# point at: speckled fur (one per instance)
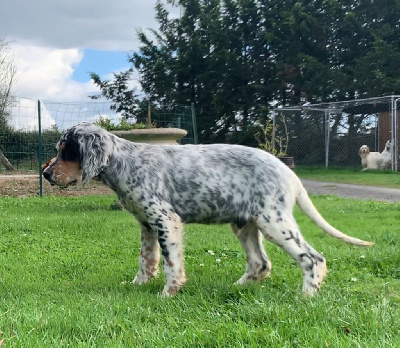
(167, 186)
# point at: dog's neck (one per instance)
(111, 176)
(110, 180)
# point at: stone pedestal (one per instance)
(160, 136)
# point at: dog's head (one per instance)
(82, 154)
(364, 150)
(388, 146)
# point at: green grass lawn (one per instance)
(351, 176)
(66, 266)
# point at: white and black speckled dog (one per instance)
(167, 186)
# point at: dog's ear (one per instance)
(94, 153)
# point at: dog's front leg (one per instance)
(149, 255)
(169, 228)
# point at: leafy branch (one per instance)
(271, 140)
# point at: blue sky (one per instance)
(99, 62)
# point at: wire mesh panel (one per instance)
(57, 117)
(331, 134)
(175, 116)
(348, 132)
(19, 136)
(306, 135)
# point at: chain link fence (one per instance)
(331, 134)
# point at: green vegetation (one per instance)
(351, 176)
(123, 124)
(67, 263)
(234, 59)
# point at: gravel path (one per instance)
(352, 191)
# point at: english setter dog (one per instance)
(166, 186)
(376, 160)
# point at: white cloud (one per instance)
(49, 71)
(24, 115)
(45, 74)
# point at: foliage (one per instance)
(235, 60)
(67, 264)
(7, 80)
(22, 146)
(124, 98)
(123, 124)
(271, 139)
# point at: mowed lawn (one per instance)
(379, 178)
(66, 266)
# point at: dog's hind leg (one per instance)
(257, 264)
(282, 230)
(149, 255)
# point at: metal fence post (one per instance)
(395, 141)
(40, 150)
(327, 135)
(273, 130)
(194, 125)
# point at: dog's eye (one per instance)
(64, 155)
(67, 155)
(69, 152)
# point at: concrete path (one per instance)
(19, 176)
(352, 191)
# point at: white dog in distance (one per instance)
(376, 160)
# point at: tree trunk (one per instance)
(4, 161)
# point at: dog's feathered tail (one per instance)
(308, 208)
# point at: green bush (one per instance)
(123, 124)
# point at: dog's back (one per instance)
(215, 183)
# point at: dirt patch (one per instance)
(28, 186)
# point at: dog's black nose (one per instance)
(46, 175)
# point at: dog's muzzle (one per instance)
(48, 177)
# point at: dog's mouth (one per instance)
(63, 186)
(71, 183)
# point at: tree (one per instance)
(7, 77)
(7, 80)
(212, 56)
(124, 98)
(234, 59)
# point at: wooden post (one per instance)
(5, 162)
